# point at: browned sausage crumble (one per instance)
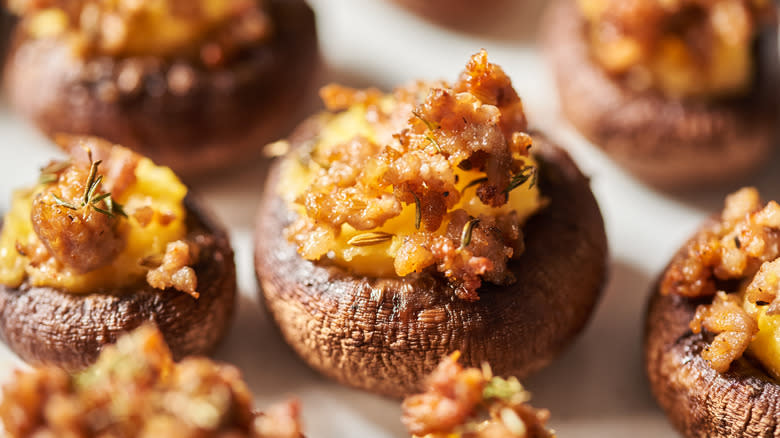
(136, 390)
(415, 143)
(175, 270)
(743, 246)
(71, 232)
(683, 47)
(472, 403)
(212, 31)
(78, 228)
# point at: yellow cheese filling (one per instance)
(378, 260)
(670, 64)
(150, 27)
(155, 187)
(766, 343)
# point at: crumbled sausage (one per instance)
(733, 326)
(135, 390)
(175, 271)
(763, 289)
(456, 402)
(734, 248)
(483, 258)
(432, 129)
(744, 246)
(282, 420)
(451, 397)
(74, 231)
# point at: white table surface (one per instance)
(597, 387)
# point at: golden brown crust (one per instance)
(47, 326)
(386, 334)
(700, 401)
(664, 142)
(175, 112)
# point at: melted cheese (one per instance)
(377, 260)
(150, 27)
(671, 66)
(156, 187)
(766, 344)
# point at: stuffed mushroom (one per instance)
(135, 390)
(105, 241)
(712, 331)
(680, 93)
(194, 85)
(401, 227)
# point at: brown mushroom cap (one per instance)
(667, 143)
(385, 334)
(457, 12)
(48, 326)
(700, 402)
(225, 117)
(7, 24)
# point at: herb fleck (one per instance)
(369, 239)
(431, 127)
(509, 390)
(50, 173)
(417, 212)
(526, 173)
(475, 182)
(465, 235)
(89, 198)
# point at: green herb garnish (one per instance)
(509, 390)
(50, 173)
(370, 238)
(89, 198)
(526, 173)
(465, 235)
(417, 211)
(431, 127)
(433, 142)
(475, 182)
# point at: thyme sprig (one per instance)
(465, 235)
(475, 182)
(89, 198)
(433, 142)
(371, 238)
(526, 173)
(51, 173)
(417, 211)
(431, 127)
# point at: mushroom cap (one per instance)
(44, 325)
(665, 142)
(7, 23)
(220, 120)
(699, 401)
(385, 334)
(458, 13)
